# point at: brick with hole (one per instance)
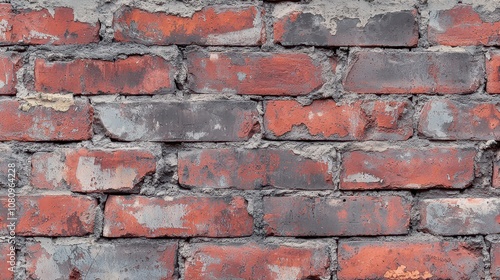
(34, 27)
(254, 73)
(495, 260)
(460, 216)
(493, 73)
(186, 121)
(392, 72)
(252, 170)
(453, 120)
(40, 123)
(9, 64)
(140, 216)
(210, 26)
(85, 170)
(77, 259)
(257, 261)
(345, 216)
(50, 215)
(408, 168)
(462, 25)
(328, 120)
(132, 75)
(410, 260)
(8, 259)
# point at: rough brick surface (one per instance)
(254, 73)
(409, 260)
(179, 121)
(213, 25)
(130, 260)
(496, 171)
(133, 75)
(460, 216)
(413, 72)
(128, 216)
(493, 73)
(257, 261)
(328, 120)
(252, 169)
(403, 169)
(347, 216)
(51, 215)
(495, 261)
(45, 124)
(9, 64)
(92, 170)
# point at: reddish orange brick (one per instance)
(408, 169)
(41, 27)
(346, 216)
(495, 261)
(133, 75)
(251, 169)
(328, 120)
(493, 73)
(215, 25)
(409, 260)
(51, 215)
(45, 124)
(92, 170)
(256, 73)
(8, 257)
(257, 261)
(496, 171)
(9, 64)
(127, 216)
(462, 26)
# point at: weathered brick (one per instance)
(346, 216)
(252, 169)
(179, 121)
(493, 73)
(58, 27)
(413, 72)
(452, 120)
(50, 215)
(132, 75)
(7, 260)
(408, 168)
(299, 27)
(462, 26)
(495, 261)
(140, 216)
(213, 25)
(45, 124)
(496, 171)
(92, 170)
(135, 259)
(257, 261)
(12, 173)
(9, 64)
(328, 120)
(409, 260)
(460, 216)
(252, 73)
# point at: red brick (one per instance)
(256, 73)
(92, 170)
(451, 120)
(257, 261)
(493, 73)
(6, 270)
(460, 216)
(45, 124)
(328, 120)
(413, 72)
(462, 26)
(180, 121)
(141, 216)
(345, 216)
(408, 168)
(409, 260)
(133, 259)
(51, 215)
(215, 25)
(496, 171)
(306, 28)
(252, 169)
(9, 64)
(132, 75)
(495, 261)
(40, 27)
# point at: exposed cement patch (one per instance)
(58, 102)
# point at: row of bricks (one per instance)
(67, 119)
(288, 216)
(262, 73)
(244, 26)
(138, 259)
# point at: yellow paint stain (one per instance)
(401, 274)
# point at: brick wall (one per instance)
(229, 139)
